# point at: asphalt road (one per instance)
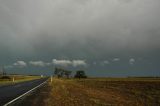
(10, 92)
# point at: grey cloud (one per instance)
(39, 63)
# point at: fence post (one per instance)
(13, 79)
(51, 79)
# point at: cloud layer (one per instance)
(78, 31)
(80, 26)
(55, 62)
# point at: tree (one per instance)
(59, 72)
(56, 71)
(80, 74)
(67, 73)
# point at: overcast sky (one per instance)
(103, 37)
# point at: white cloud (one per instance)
(76, 63)
(61, 62)
(131, 61)
(73, 63)
(106, 62)
(39, 63)
(116, 59)
(48, 64)
(20, 64)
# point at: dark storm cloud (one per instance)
(79, 29)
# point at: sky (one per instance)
(102, 37)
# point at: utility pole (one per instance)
(1, 71)
(4, 72)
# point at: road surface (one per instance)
(10, 92)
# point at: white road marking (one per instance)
(24, 94)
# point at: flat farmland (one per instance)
(128, 91)
(98, 92)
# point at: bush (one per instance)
(80, 74)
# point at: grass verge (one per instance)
(17, 79)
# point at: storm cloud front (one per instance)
(103, 37)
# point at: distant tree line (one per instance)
(60, 72)
(3, 74)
